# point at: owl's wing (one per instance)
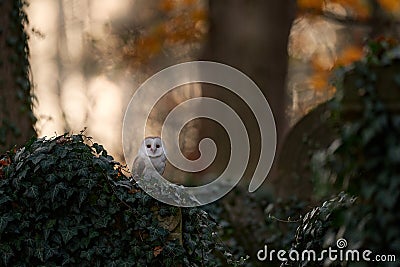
(138, 167)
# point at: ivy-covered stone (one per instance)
(65, 201)
(363, 162)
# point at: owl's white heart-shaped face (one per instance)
(152, 147)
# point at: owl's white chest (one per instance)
(153, 165)
(157, 161)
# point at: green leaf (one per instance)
(102, 222)
(56, 189)
(49, 252)
(46, 164)
(93, 233)
(46, 233)
(157, 233)
(149, 256)
(67, 233)
(86, 255)
(83, 172)
(88, 182)
(38, 158)
(4, 199)
(98, 148)
(4, 219)
(6, 253)
(51, 178)
(82, 197)
(32, 192)
(39, 252)
(136, 251)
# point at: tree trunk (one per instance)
(16, 117)
(251, 36)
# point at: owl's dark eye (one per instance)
(148, 146)
(157, 146)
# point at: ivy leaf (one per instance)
(56, 239)
(32, 192)
(136, 251)
(49, 252)
(67, 233)
(46, 164)
(56, 189)
(39, 253)
(93, 233)
(127, 263)
(23, 173)
(19, 165)
(101, 163)
(102, 222)
(4, 221)
(46, 233)
(67, 259)
(149, 256)
(83, 172)
(88, 182)
(51, 178)
(82, 197)
(86, 254)
(156, 233)
(4, 199)
(98, 148)
(6, 253)
(38, 158)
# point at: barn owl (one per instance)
(151, 157)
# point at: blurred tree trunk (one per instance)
(251, 36)
(16, 117)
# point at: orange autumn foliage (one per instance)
(310, 4)
(189, 2)
(184, 22)
(391, 6)
(166, 5)
(198, 15)
(349, 55)
(356, 9)
(149, 45)
(180, 26)
(320, 78)
(5, 161)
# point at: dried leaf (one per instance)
(157, 250)
(4, 162)
(134, 191)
